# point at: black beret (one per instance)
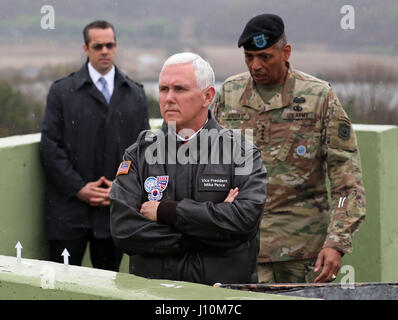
(262, 32)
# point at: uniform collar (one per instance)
(251, 97)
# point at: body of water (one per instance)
(387, 93)
(367, 92)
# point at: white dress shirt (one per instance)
(109, 78)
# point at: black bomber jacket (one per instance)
(197, 236)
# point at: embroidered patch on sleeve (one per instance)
(344, 131)
(124, 168)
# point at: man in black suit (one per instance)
(91, 117)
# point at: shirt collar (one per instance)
(95, 75)
(194, 135)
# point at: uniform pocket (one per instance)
(305, 150)
(301, 149)
(297, 137)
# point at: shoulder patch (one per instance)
(124, 168)
(344, 131)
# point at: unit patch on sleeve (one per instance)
(124, 168)
(156, 186)
(344, 131)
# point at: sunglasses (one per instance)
(99, 46)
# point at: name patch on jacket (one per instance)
(237, 116)
(299, 115)
(124, 168)
(214, 183)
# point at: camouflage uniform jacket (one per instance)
(304, 135)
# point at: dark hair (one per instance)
(99, 24)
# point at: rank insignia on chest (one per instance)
(298, 108)
(155, 187)
(298, 100)
(124, 168)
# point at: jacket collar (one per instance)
(82, 77)
(251, 97)
(211, 123)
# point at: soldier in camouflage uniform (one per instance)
(304, 135)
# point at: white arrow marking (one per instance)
(66, 256)
(18, 246)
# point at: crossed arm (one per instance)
(149, 208)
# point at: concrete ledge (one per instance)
(15, 141)
(373, 127)
(29, 279)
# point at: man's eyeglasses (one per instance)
(99, 46)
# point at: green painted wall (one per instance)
(388, 185)
(21, 197)
(375, 255)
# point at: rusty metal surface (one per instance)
(331, 291)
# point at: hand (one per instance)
(149, 209)
(233, 193)
(331, 261)
(104, 201)
(94, 194)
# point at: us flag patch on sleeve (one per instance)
(124, 168)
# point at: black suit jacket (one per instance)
(84, 138)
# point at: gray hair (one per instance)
(204, 73)
(281, 43)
